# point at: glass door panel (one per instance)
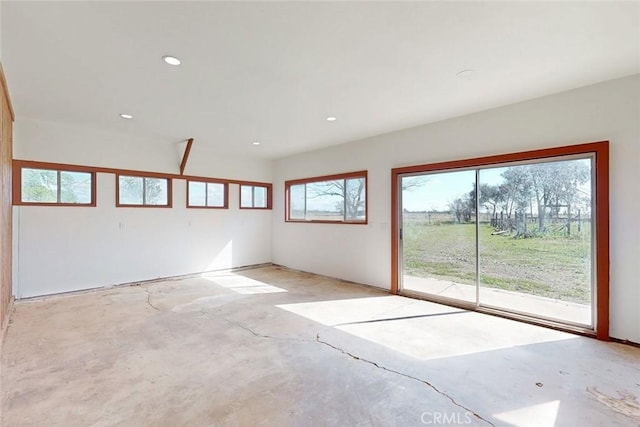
(535, 239)
(438, 235)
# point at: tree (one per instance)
(550, 187)
(39, 185)
(71, 189)
(556, 185)
(350, 191)
(412, 182)
(464, 208)
(139, 190)
(492, 196)
(470, 202)
(153, 191)
(516, 190)
(354, 197)
(456, 208)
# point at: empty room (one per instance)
(319, 213)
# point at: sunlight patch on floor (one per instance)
(241, 284)
(543, 414)
(422, 329)
(339, 312)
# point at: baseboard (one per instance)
(366, 285)
(625, 341)
(140, 282)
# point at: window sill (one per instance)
(321, 221)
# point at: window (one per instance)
(336, 198)
(57, 184)
(255, 196)
(40, 186)
(143, 191)
(202, 194)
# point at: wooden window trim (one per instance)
(348, 175)
(18, 164)
(599, 149)
(269, 188)
(209, 181)
(169, 203)
(17, 183)
(130, 172)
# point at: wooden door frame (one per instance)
(600, 150)
(7, 117)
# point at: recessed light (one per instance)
(171, 60)
(126, 116)
(331, 119)
(255, 143)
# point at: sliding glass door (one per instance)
(515, 237)
(536, 239)
(439, 235)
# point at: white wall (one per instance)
(60, 249)
(65, 143)
(606, 111)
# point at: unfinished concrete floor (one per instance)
(273, 347)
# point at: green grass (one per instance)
(551, 266)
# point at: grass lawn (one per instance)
(551, 266)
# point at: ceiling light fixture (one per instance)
(255, 143)
(126, 116)
(171, 60)
(331, 119)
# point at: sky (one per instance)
(436, 192)
(440, 189)
(443, 188)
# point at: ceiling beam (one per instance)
(185, 157)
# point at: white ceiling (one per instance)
(273, 72)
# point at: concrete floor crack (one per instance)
(259, 335)
(428, 384)
(149, 300)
